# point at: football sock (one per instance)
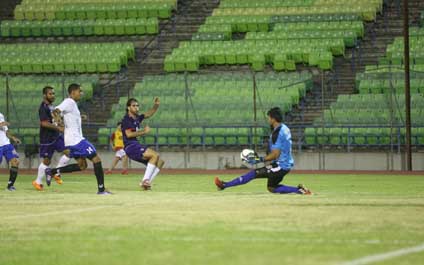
(63, 161)
(66, 169)
(12, 177)
(242, 179)
(286, 189)
(98, 171)
(41, 173)
(155, 172)
(149, 171)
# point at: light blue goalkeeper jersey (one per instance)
(281, 139)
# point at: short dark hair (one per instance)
(73, 87)
(46, 89)
(129, 102)
(276, 113)
(118, 123)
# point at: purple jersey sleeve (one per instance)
(141, 118)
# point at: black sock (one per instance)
(12, 177)
(66, 169)
(98, 171)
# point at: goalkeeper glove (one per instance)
(255, 160)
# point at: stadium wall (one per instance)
(328, 160)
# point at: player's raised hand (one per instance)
(156, 101)
(16, 140)
(146, 129)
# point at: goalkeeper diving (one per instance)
(279, 160)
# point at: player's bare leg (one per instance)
(114, 163)
(152, 157)
(124, 165)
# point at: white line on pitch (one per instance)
(385, 256)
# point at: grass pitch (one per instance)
(184, 220)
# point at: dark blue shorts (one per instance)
(47, 150)
(83, 149)
(9, 152)
(135, 152)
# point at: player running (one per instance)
(51, 140)
(117, 142)
(135, 151)
(8, 151)
(79, 147)
(280, 157)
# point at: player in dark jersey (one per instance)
(134, 150)
(51, 139)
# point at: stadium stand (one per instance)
(196, 101)
(68, 58)
(86, 18)
(276, 33)
(379, 104)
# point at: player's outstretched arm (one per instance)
(4, 123)
(51, 126)
(153, 110)
(275, 153)
(132, 134)
(12, 137)
(57, 118)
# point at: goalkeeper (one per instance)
(280, 160)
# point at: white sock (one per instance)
(155, 172)
(41, 173)
(63, 161)
(149, 171)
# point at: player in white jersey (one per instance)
(8, 151)
(79, 147)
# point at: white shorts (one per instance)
(120, 153)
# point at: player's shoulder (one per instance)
(284, 129)
(68, 100)
(43, 105)
(125, 120)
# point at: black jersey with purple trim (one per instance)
(129, 123)
(45, 113)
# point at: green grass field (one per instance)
(185, 220)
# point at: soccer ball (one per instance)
(247, 154)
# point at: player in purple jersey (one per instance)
(134, 150)
(51, 140)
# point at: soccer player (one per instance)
(280, 157)
(8, 151)
(117, 143)
(51, 140)
(135, 151)
(79, 147)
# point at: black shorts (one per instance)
(273, 173)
